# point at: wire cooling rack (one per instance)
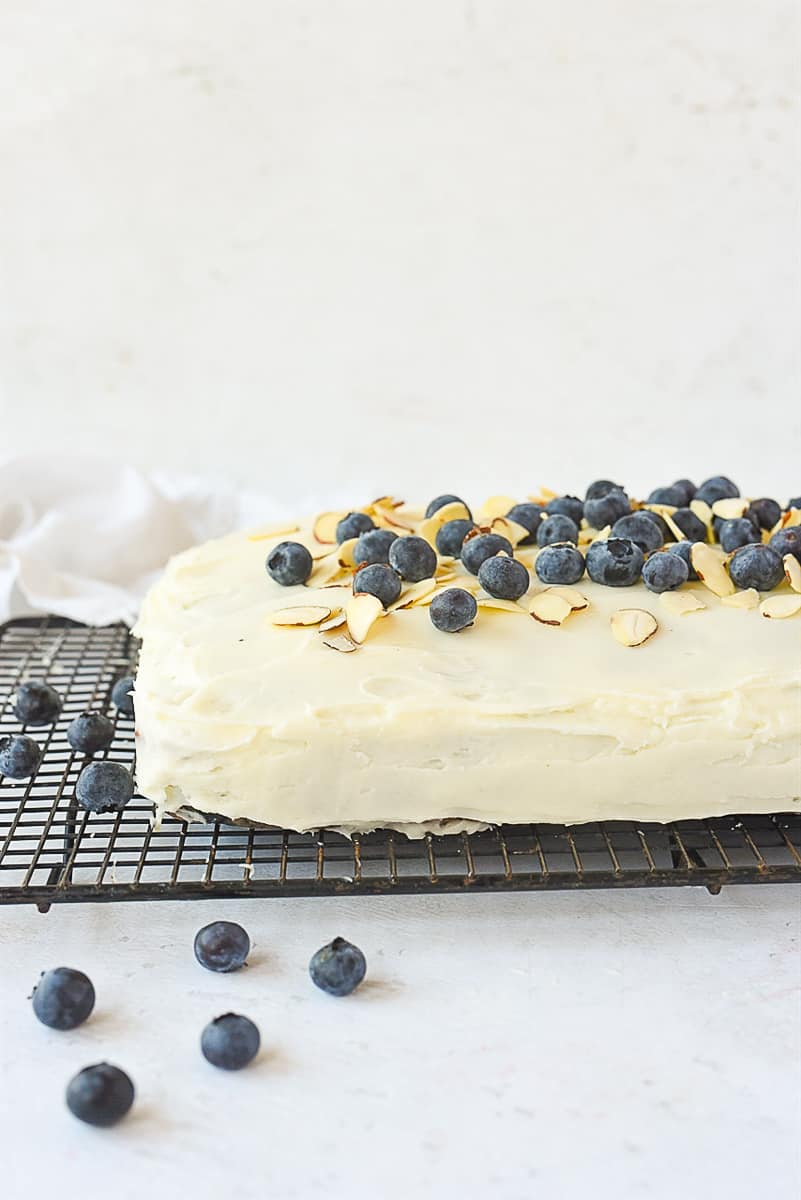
(51, 850)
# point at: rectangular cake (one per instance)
(292, 677)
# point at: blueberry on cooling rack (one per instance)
(121, 695)
(230, 1041)
(338, 968)
(222, 946)
(19, 756)
(37, 703)
(90, 732)
(104, 787)
(63, 998)
(100, 1095)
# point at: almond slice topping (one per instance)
(549, 608)
(361, 613)
(325, 526)
(792, 571)
(511, 530)
(494, 506)
(780, 607)
(414, 594)
(571, 596)
(341, 642)
(730, 508)
(271, 531)
(710, 570)
(633, 626)
(494, 602)
(333, 622)
(345, 555)
(747, 599)
(681, 603)
(301, 614)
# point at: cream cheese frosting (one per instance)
(511, 720)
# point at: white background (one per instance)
(416, 246)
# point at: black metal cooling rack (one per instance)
(51, 850)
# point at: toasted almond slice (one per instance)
(549, 493)
(428, 529)
(747, 599)
(513, 532)
(710, 569)
(272, 531)
(633, 626)
(780, 606)
(345, 553)
(361, 612)
(792, 571)
(666, 511)
(328, 573)
(730, 508)
(494, 506)
(341, 642)
(704, 513)
(388, 518)
(325, 526)
(414, 594)
(571, 596)
(382, 502)
(549, 608)
(455, 511)
(681, 603)
(336, 619)
(791, 517)
(301, 614)
(495, 602)
(601, 535)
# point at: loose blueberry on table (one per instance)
(100, 1095)
(122, 695)
(37, 703)
(222, 946)
(104, 787)
(338, 968)
(90, 732)
(63, 998)
(230, 1042)
(19, 756)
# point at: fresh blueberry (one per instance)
(90, 732)
(529, 516)
(737, 532)
(413, 558)
(100, 1095)
(451, 535)
(440, 501)
(674, 496)
(766, 511)
(289, 564)
(557, 528)
(37, 703)
(222, 946)
(373, 546)
(338, 968)
(660, 522)
(353, 525)
(756, 566)
(794, 502)
(568, 506)
(787, 541)
(378, 580)
(19, 756)
(662, 572)
(452, 610)
(122, 695)
(601, 511)
(688, 488)
(559, 564)
(63, 998)
(690, 525)
(640, 529)
(601, 487)
(502, 577)
(684, 551)
(230, 1041)
(104, 787)
(617, 562)
(748, 516)
(718, 487)
(483, 545)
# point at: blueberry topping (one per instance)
(122, 695)
(557, 528)
(787, 541)
(617, 562)
(104, 787)
(63, 998)
(793, 502)
(230, 1042)
(353, 525)
(100, 1095)
(604, 510)
(675, 496)
(690, 525)
(688, 488)
(451, 535)
(568, 506)
(373, 547)
(684, 551)
(601, 487)
(378, 580)
(766, 511)
(452, 610)
(640, 529)
(413, 558)
(502, 577)
(660, 522)
(440, 502)
(756, 566)
(90, 732)
(289, 564)
(37, 703)
(663, 572)
(483, 545)
(559, 564)
(338, 968)
(739, 531)
(19, 756)
(529, 516)
(222, 946)
(717, 488)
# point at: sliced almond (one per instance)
(549, 608)
(329, 573)
(730, 508)
(271, 531)
(455, 511)
(325, 526)
(494, 506)
(710, 570)
(601, 535)
(704, 513)
(791, 517)
(792, 571)
(633, 626)
(414, 594)
(341, 642)
(494, 602)
(385, 502)
(747, 599)
(666, 511)
(388, 518)
(333, 622)
(428, 529)
(681, 603)
(511, 530)
(780, 606)
(571, 596)
(301, 614)
(361, 613)
(345, 553)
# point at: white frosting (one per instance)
(508, 721)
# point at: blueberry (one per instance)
(289, 564)
(663, 572)
(748, 516)
(452, 610)
(230, 1042)
(766, 511)
(756, 566)
(451, 535)
(100, 1094)
(718, 487)
(601, 511)
(617, 562)
(483, 545)
(90, 732)
(529, 516)
(502, 577)
(121, 695)
(684, 551)
(640, 529)
(601, 487)
(413, 558)
(568, 506)
(373, 546)
(353, 525)
(688, 488)
(37, 703)
(559, 564)
(690, 525)
(735, 533)
(787, 541)
(557, 528)
(19, 756)
(104, 786)
(660, 522)
(222, 946)
(338, 968)
(675, 496)
(440, 501)
(378, 580)
(63, 998)
(794, 502)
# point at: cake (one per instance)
(330, 691)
